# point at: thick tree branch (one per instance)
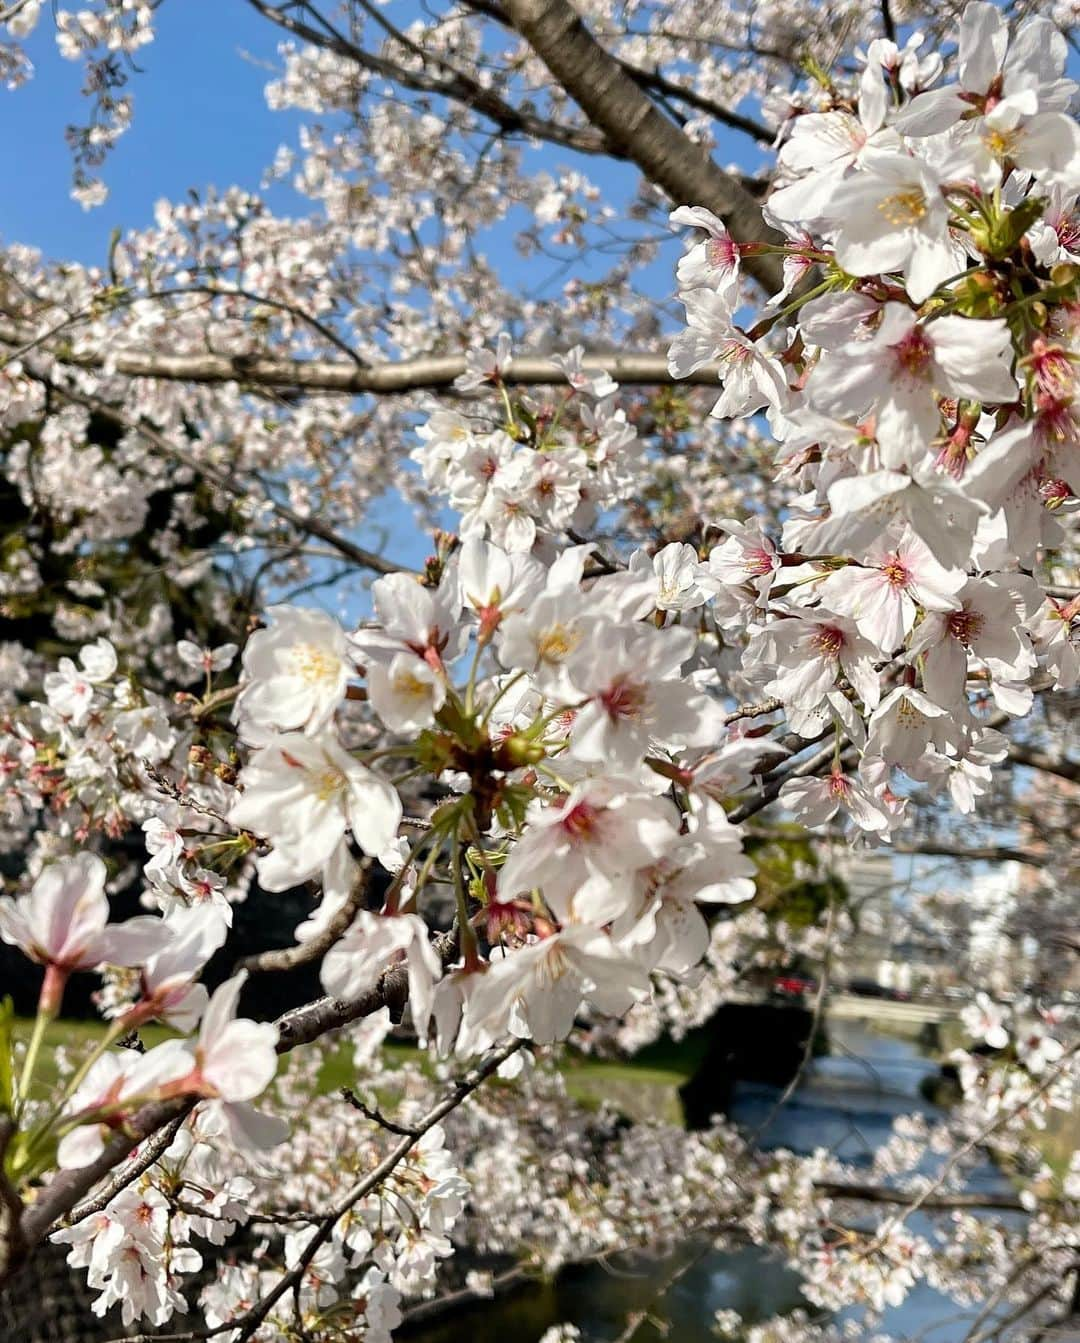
(869, 1193)
(153, 1150)
(307, 1023)
(653, 79)
(613, 101)
(976, 853)
(68, 1187)
(431, 373)
(300, 1026)
(1049, 764)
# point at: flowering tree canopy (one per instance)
(769, 543)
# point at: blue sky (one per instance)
(200, 118)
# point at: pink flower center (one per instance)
(839, 784)
(913, 353)
(580, 821)
(896, 572)
(1054, 492)
(965, 625)
(723, 253)
(1068, 231)
(953, 456)
(828, 641)
(731, 352)
(758, 562)
(1055, 422)
(624, 699)
(1052, 369)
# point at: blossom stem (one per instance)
(468, 935)
(470, 688)
(511, 422)
(394, 889)
(421, 880)
(537, 729)
(563, 783)
(767, 323)
(41, 1023)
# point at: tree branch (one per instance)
(430, 373)
(451, 83)
(12, 1236)
(613, 101)
(977, 1139)
(288, 958)
(307, 1023)
(1049, 764)
(653, 79)
(154, 1149)
(771, 789)
(984, 853)
(249, 1323)
(300, 1026)
(68, 1187)
(868, 1193)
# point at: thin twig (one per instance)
(249, 1323)
(376, 1115)
(153, 1149)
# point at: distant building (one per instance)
(871, 882)
(895, 944)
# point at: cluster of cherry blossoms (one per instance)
(923, 396)
(522, 480)
(140, 1247)
(556, 763)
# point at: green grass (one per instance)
(644, 1087)
(337, 1070)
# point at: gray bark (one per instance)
(637, 129)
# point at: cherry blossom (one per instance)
(303, 793)
(295, 672)
(63, 923)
